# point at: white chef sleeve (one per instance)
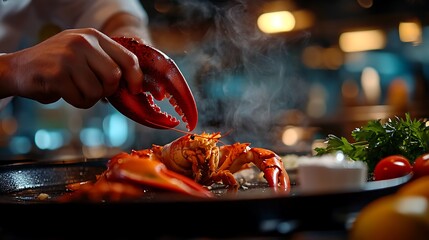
(100, 11)
(86, 13)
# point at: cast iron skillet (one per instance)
(254, 212)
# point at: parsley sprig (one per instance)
(377, 139)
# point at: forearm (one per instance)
(124, 24)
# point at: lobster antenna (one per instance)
(181, 131)
(227, 133)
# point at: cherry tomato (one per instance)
(421, 166)
(392, 167)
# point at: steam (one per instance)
(242, 78)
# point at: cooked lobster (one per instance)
(198, 157)
(162, 79)
(186, 165)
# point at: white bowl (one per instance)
(330, 173)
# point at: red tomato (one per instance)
(421, 166)
(392, 167)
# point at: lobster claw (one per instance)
(162, 79)
(276, 175)
(142, 168)
(236, 156)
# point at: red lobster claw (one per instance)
(162, 79)
(143, 168)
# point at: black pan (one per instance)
(255, 212)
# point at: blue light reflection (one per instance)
(116, 129)
(51, 140)
(92, 137)
(20, 145)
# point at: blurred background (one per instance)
(278, 74)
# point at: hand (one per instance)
(81, 66)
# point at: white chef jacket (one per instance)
(22, 20)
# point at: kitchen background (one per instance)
(278, 74)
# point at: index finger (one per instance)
(127, 61)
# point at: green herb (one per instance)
(377, 140)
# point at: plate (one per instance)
(255, 211)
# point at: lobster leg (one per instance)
(162, 79)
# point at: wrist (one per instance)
(6, 84)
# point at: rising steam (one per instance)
(242, 78)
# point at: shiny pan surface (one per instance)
(255, 211)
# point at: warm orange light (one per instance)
(290, 136)
(410, 32)
(362, 40)
(275, 22)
